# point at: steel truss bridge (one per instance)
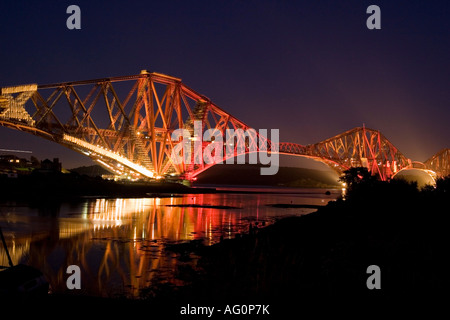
(126, 125)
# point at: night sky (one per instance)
(309, 68)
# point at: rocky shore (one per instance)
(326, 254)
(321, 257)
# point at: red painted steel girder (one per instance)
(128, 122)
(358, 147)
(440, 163)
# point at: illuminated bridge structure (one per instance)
(439, 163)
(126, 125)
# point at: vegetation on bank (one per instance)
(57, 185)
(45, 181)
(318, 256)
(393, 225)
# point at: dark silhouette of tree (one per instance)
(355, 176)
(35, 162)
(443, 184)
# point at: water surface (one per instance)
(119, 244)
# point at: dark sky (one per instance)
(310, 68)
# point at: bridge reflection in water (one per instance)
(119, 243)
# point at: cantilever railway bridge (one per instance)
(132, 135)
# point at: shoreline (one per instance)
(327, 253)
(323, 255)
(72, 187)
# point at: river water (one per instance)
(119, 244)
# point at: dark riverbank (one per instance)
(325, 255)
(321, 257)
(61, 186)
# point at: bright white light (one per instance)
(109, 154)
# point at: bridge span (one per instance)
(126, 125)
